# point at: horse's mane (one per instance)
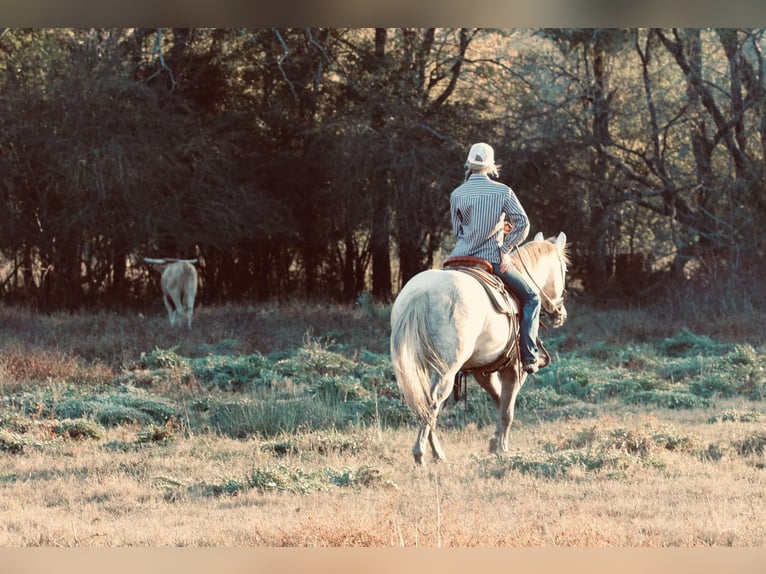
(536, 250)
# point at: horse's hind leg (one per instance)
(436, 447)
(427, 435)
(420, 444)
(440, 391)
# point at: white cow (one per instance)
(179, 287)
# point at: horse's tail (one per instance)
(415, 357)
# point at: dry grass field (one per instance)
(606, 467)
(83, 495)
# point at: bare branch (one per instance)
(157, 52)
(282, 59)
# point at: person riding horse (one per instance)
(488, 221)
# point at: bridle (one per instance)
(555, 308)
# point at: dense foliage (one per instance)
(318, 162)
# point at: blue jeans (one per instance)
(530, 310)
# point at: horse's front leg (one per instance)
(490, 383)
(512, 381)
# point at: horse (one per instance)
(444, 323)
(179, 287)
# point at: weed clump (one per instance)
(11, 442)
(282, 478)
(685, 343)
(735, 415)
(755, 444)
(78, 429)
(612, 451)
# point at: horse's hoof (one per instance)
(419, 460)
(492, 445)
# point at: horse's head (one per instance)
(550, 275)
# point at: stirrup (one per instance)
(532, 367)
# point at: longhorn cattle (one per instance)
(179, 287)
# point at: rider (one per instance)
(477, 208)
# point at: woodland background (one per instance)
(318, 163)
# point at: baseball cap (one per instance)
(481, 154)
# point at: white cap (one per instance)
(481, 154)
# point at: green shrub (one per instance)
(714, 452)
(670, 399)
(669, 439)
(682, 368)
(74, 408)
(736, 416)
(115, 415)
(12, 442)
(541, 399)
(313, 361)
(611, 354)
(341, 388)
(685, 343)
(376, 373)
(283, 479)
(743, 355)
(322, 443)
(378, 312)
(568, 412)
(159, 411)
(268, 418)
(572, 378)
(713, 385)
(364, 476)
(753, 444)
(124, 406)
(386, 412)
(623, 387)
(156, 434)
(619, 387)
(79, 429)
(753, 386)
(162, 359)
(579, 388)
(14, 423)
(145, 378)
(281, 447)
(231, 373)
(227, 486)
(556, 465)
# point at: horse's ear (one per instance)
(561, 240)
(539, 236)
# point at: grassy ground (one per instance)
(279, 425)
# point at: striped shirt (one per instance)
(477, 207)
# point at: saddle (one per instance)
(481, 269)
(503, 300)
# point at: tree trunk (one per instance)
(380, 235)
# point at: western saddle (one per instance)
(502, 299)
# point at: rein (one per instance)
(526, 269)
